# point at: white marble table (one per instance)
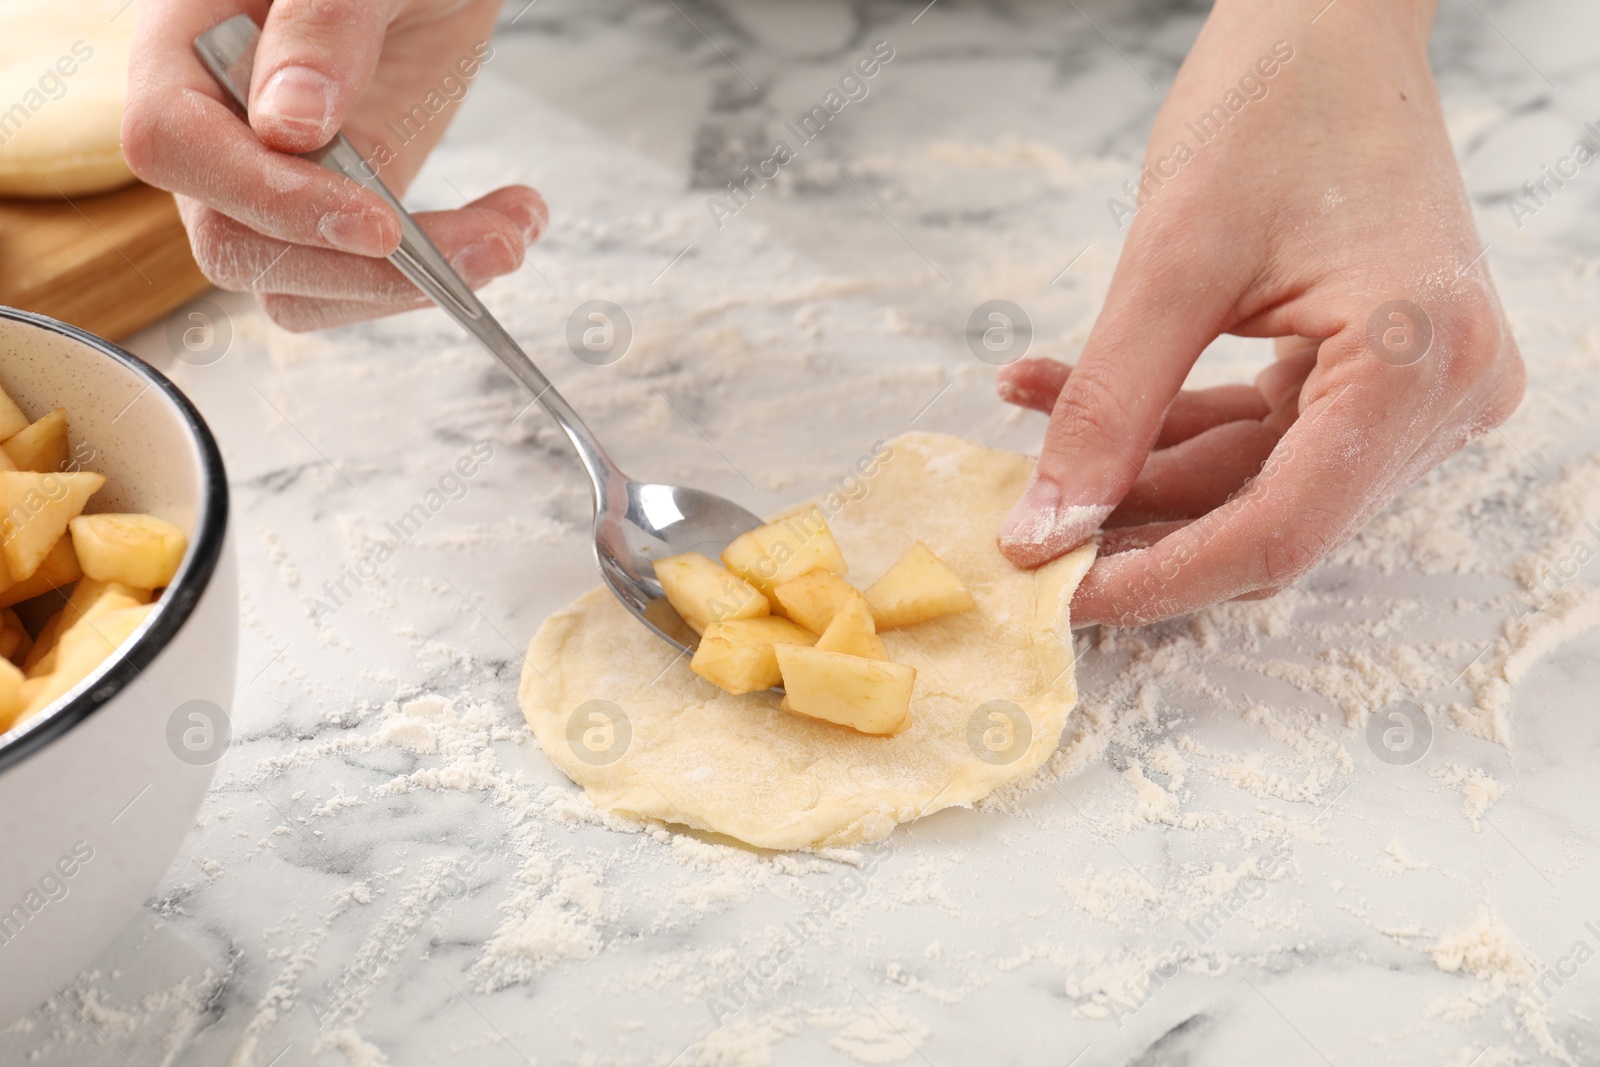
(388, 870)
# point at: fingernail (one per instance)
(1042, 526)
(1021, 395)
(299, 98)
(487, 257)
(360, 232)
(531, 217)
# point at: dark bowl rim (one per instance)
(192, 580)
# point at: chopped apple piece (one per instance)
(30, 686)
(46, 663)
(704, 592)
(34, 511)
(11, 699)
(81, 649)
(740, 656)
(41, 447)
(90, 599)
(138, 550)
(14, 640)
(872, 696)
(917, 588)
(43, 645)
(852, 632)
(813, 599)
(93, 597)
(779, 551)
(12, 420)
(5, 461)
(58, 568)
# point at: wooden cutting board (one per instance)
(109, 264)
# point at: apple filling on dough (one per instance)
(726, 756)
(822, 643)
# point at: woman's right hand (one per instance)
(310, 243)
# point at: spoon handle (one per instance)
(228, 51)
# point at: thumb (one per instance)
(1151, 330)
(314, 59)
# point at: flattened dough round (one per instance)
(694, 755)
(63, 84)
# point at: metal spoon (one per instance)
(635, 523)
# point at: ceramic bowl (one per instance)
(97, 792)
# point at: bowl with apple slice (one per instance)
(118, 633)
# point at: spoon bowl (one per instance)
(651, 521)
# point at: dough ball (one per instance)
(63, 85)
(620, 712)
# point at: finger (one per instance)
(1133, 538)
(1032, 383)
(314, 59)
(1036, 383)
(179, 135)
(1281, 383)
(1194, 411)
(1284, 347)
(1196, 476)
(1264, 593)
(304, 314)
(482, 241)
(1109, 413)
(1331, 472)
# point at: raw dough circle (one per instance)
(63, 84)
(993, 691)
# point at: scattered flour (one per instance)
(881, 1035)
(1478, 790)
(740, 1044)
(1486, 949)
(357, 1051)
(1400, 861)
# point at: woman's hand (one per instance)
(308, 242)
(1299, 185)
